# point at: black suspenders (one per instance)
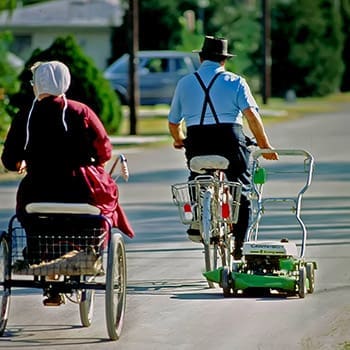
(207, 99)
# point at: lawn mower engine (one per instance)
(263, 257)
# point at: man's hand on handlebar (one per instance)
(270, 155)
(177, 134)
(21, 167)
(178, 144)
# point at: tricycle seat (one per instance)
(61, 208)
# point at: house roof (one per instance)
(66, 13)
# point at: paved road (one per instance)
(169, 305)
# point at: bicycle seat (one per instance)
(200, 164)
(61, 208)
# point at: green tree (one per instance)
(8, 73)
(307, 44)
(9, 5)
(88, 85)
(8, 79)
(239, 23)
(159, 27)
(189, 40)
(345, 13)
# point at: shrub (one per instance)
(8, 80)
(88, 84)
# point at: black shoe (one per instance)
(194, 235)
(54, 299)
(237, 254)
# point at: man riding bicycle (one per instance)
(212, 103)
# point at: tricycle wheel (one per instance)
(86, 306)
(4, 276)
(302, 282)
(115, 286)
(310, 275)
(226, 281)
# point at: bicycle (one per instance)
(211, 203)
(70, 250)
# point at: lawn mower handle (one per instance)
(283, 152)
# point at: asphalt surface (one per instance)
(169, 305)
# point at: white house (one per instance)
(91, 22)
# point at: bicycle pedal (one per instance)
(214, 240)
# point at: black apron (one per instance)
(225, 139)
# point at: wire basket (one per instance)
(53, 253)
(188, 196)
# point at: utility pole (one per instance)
(134, 94)
(266, 24)
(202, 5)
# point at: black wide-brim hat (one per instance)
(214, 46)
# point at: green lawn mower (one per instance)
(273, 266)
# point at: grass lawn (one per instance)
(146, 126)
(155, 121)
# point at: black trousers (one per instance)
(227, 140)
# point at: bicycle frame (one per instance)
(213, 203)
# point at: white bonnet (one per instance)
(51, 77)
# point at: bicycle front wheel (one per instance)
(115, 286)
(5, 291)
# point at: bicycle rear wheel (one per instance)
(219, 252)
(208, 262)
(5, 291)
(115, 286)
(226, 247)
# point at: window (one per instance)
(180, 66)
(157, 65)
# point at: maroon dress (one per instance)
(54, 150)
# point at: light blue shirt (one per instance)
(230, 95)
